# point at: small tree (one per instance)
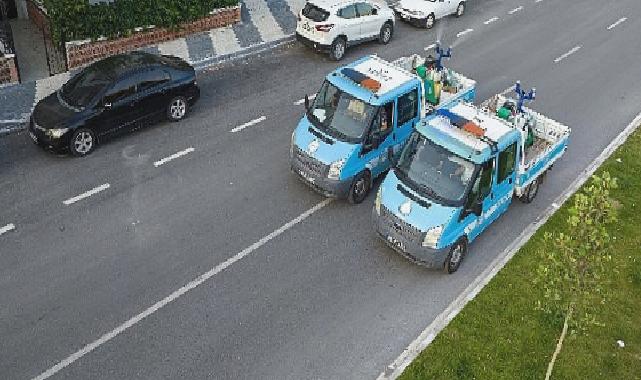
(572, 272)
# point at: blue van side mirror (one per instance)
(306, 102)
(390, 156)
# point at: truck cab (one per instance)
(455, 176)
(361, 111)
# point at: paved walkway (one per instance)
(30, 51)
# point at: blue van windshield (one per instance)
(340, 114)
(434, 171)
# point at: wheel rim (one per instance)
(455, 258)
(359, 188)
(178, 109)
(460, 9)
(430, 21)
(387, 34)
(339, 49)
(83, 142)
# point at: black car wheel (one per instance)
(429, 21)
(177, 108)
(385, 34)
(456, 255)
(337, 50)
(360, 188)
(83, 141)
(530, 192)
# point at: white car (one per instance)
(425, 12)
(333, 25)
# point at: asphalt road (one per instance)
(322, 299)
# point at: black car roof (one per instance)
(117, 65)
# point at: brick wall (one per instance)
(8, 70)
(80, 53)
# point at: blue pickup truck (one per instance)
(363, 109)
(459, 172)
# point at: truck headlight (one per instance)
(432, 236)
(56, 133)
(377, 202)
(335, 169)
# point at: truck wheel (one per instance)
(530, 192)
(456, 255)
(360, 188)
(460, 9)
(337, 50)
(429, 21)
(385, 34)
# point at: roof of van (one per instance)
(393, 79)
(445, 128)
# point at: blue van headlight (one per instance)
(335, 169)
(432, 236)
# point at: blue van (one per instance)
(361, 110)
(458, 173)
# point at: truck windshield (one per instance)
(340, 114)
(434, 171)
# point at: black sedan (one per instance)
(113, 96)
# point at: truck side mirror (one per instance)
(390, 156)
(306, 102)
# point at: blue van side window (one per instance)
(507, 161)
(407, 107)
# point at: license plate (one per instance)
(393, 241)
(307, 27)
(33, 137)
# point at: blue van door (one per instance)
(407, 115)
(378, 139)
(505, 178)
(482, 191)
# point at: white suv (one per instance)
(332, 25)
(425, 12)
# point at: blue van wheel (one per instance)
(456, 255)
(360, 188)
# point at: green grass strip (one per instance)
(500, 334)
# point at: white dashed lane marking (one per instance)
(301, 101)
(87, 194)
(513, 11)
(173, 156)
(464, 32)
(248, 124)
(564, 56)
(7, 228)
(432, 46)
(619, 21)
(491, 20)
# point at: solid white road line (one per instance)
(173, 156)
(622, 19)
(513, 11)
(491, 20)
(432, 46)
(87, 194)
(395, 369)
(301, 101)
(178, 293)
(248, 124)
(564, 56)
(466, 31)
(7, 228)
(537, 1)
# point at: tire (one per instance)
(83, 141)
(530, 192)
(337, 49)
(177, 108)
(455, 257)
(430, 21)
(385, 35)
(360, 188)
(460, 10)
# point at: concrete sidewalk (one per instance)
(264, 24)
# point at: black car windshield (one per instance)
(80, 90)
(434, 171)
(340, 114)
